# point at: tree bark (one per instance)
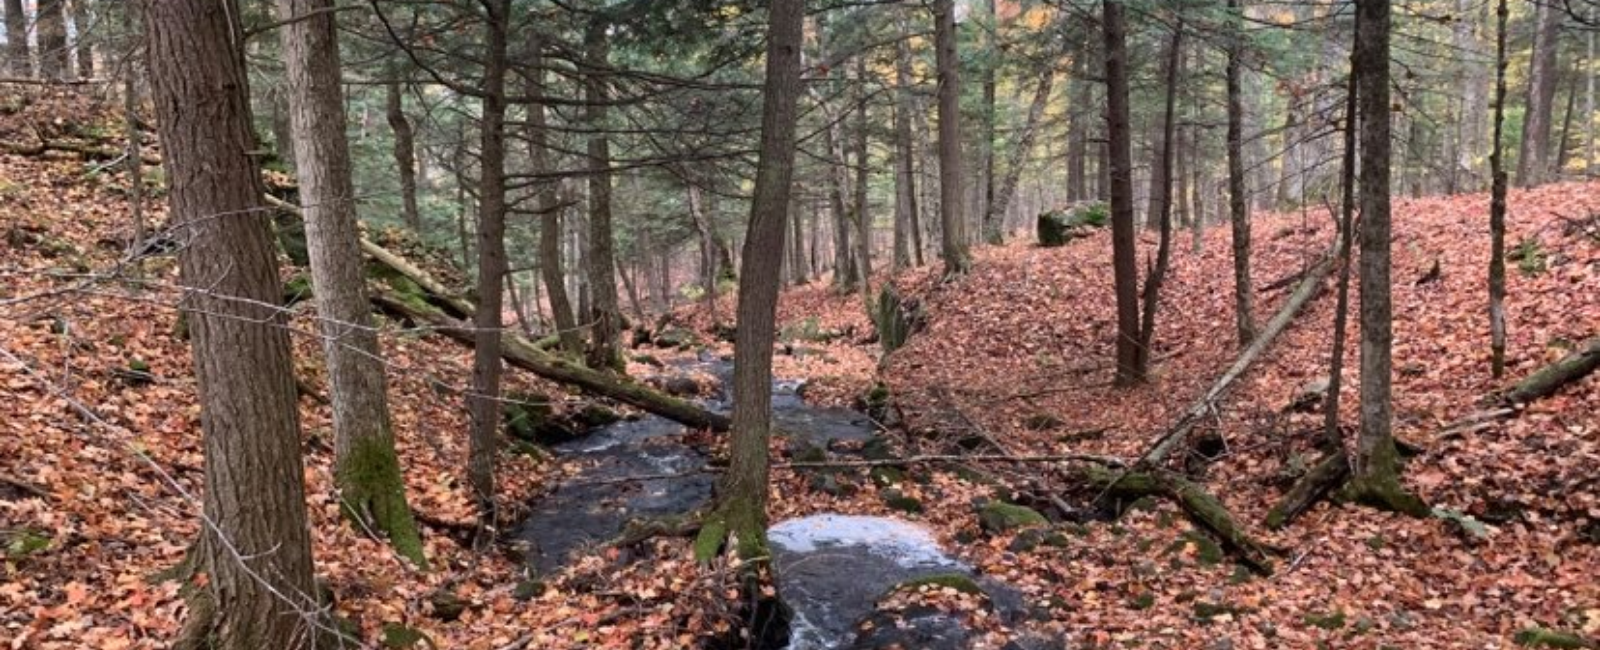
(1534, 159)
(19, 60)
(484, 403)
(1238, 206)
(1341, 311)
(404, 155)
(1161, 197)
(1119, 137)
(605, 345)
(1375, 463)
(740, 512)
(863, 217)
(953, 224)
(367, 469)
(82, 14)
(255, 544)
(54, 55)
(551, 270)
(992, 228)
(1497, 204)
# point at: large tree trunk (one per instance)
(742, 495)
(1375, 463)
(1124, 260)
(19, 60)
(1533, 162)
(404, 154)
(953, 224)
(1161, 198)
(255, 549)
(862, 215)
(54, 55)
(1000, 202)
(1470, 128)
(992, 226)
(484, 402)
(605, 342)
(1238, 206)
(367, 470)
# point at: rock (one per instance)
(898, 500)
(1031, 539)
(885, 476)
(593, 416)
(528, 589)
(999, 517)
(896, 318)
(446, 605)
(1308, 398)
(523, 414)
(1057, 227)
(675, 337)
(678, 386)
(397, 636)
(918, 626)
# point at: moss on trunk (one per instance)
(372, 493)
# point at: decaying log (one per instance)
(1201, 507)
(522, 353)
(1325, 476)
(1549, 379)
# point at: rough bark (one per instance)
(1497, 204)
(1000, 202)
(551, 269)
(860, 210)
(740, 512)
(255, 544)
(1080, 90)
(1341, 314)
(908, 235)
(953, 224)
(1238, 206)
(484, 402)
(1120, 141)
(1375, 463)
(992, 225)
(19, 58)
(83, 19)
(367, 469)
(605, 334)
(54, 55)
(405, 158)
(1534, 158)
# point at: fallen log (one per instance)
(1545, 381)
(1327, 475)
(1207, 403)
(524, 354)
(1201, 507)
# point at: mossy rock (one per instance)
(446, 605)
(1207, 551)
(830, 483)
(524, 414)
(528, 589)
(23, 542)
(896, 317)
(1030, 539)
(675, 337)
(397, 636)
(594, 415)
(960, 582)
(1145, 600)
(1057, 227)
(898, 500)
(648, 360)
(1540, 637)
(1326, 620)
(1205, 612)
(878, 448)
(805, 452)
(999, 517)
(884, 476)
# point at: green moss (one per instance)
(898, 500)
(298, 289)
(709, 541)
(1145, 600)
(406, 290)
(1381, 488)
(528, 589)
(1539, 637)
(999, 516)
(958, 581)
(24, 542)
(401, 637)
(885, 476)
(595, 415)
(1205, 612)
(372, 491)
(1326, 620)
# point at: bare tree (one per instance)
(1238, 199)
(605, 331)
(1533, 162)
(371, 488)
(484, 402)
(405, 153)
(18, 58)
(1497, 203)
(255, 547)
(1124, 259)
(54, 55)
(1161, 197)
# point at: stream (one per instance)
(830, 569)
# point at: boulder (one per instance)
(1057, 227)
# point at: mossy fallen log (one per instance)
(1325, 476)
(1201, 506)
(525, 354)
(1545, 381)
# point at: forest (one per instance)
(805, 324)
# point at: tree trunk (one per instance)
(1564, 143)
(1161, 197)
(1497, 204)
(256, 544)
(1547, 380)
(742, 495)
(82, 14)
(484, 402)
(1000, 202)
(606, 330)
(1375, 463)
(1341, 311)
(54, 55)
(367, 470)
(551, 270)
(1123, 256)
(844, 269)
(802, 266)
(991, 225)
(404, 155)
(1533, 161)
(953, 224)
(863, 216)
(18, 58)
(907, 210)
(1238, 207)
(1470, 128)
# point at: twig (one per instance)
(24, 486)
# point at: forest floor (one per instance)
(100, 461)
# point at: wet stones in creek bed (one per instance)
(832, 569)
